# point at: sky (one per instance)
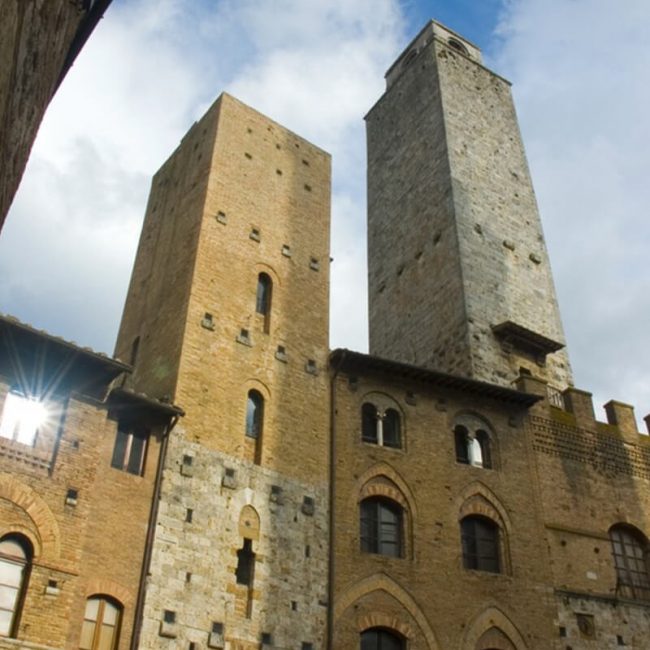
(150, 69)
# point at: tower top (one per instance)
(432, 30)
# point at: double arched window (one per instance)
(630, 550)
(378, 638)
(480, 542)
(473, 442)
(15, 562)
(381, 428)
(382, 524)
(101, 626)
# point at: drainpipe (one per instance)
(151, 528)
(332, 494)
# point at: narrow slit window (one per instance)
(263, 299)
(245, 564)
(254, 414)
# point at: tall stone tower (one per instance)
(227, 314)
(459, 276)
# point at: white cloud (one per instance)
(150, 69)
(579, 71)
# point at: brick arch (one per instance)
(401, 488)
(106, 587)
(381, 582)
(47, 528)
(379, 619)
(492, 626)
(478, 499)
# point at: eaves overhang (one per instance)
(357, 362)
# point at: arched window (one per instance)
(254, 414)
(369, 418)
(457, 45)
(630, 550)
(391, 429)
(101, 626)
(381, 527)
(378, 428)
(263, 300)
(378, 638)
(482, 440)
(461, 438)
(15, 561)
(480, 543)
(473, 447)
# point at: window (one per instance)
(480, 543)
(380, 429)
(457, 45)
(15, 561)
(101, 626)
(381, 639)
(369, 419)
(391, 429)
(130, 448)
(381, 527)
(245, 564)
(630, 550)
(472, 448)
(263, 300)
(21, 418)
(254, 414)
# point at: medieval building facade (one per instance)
(451, 490)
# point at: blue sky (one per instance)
(579, 75)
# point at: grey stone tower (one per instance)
(459, 276)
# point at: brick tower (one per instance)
(227, 314)
(459, 276)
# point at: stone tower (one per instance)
(227, 314)
(459, 276)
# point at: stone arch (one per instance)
(478, 499)
(379, 619)
(106, 587)
(381, 582)
(384, 470)
(249, 523)
(46, 537)
(261, 267)
(494, 628)
(252, 383)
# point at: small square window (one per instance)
(255, 234)
(314, 264)
(267, 638)
(71, 497)
(222, 218)
(169, 616)
(286, 250)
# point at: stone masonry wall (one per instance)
(195, 561)
(455, 244)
